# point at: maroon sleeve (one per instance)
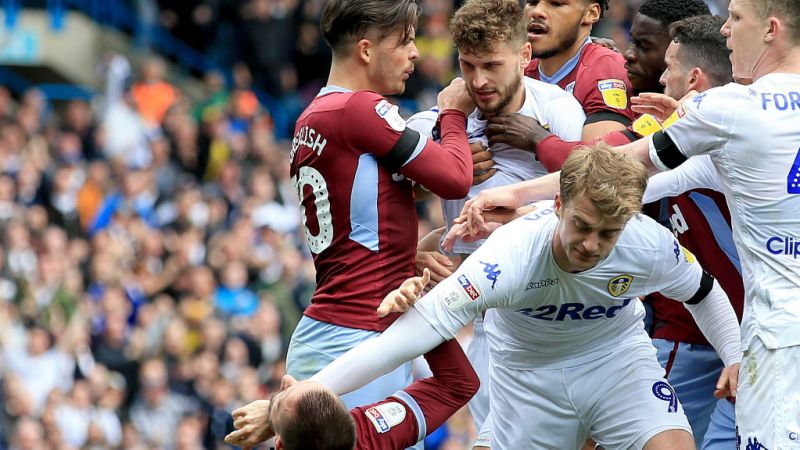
(393, 424)
(445, 168)
(603, 88)
(377, 128)
(552, 151)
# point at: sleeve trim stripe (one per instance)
(706, 284)
(423, 141)
(403, 150)
(601, 116)
(414, 407)
(630, 135)
(667, 153)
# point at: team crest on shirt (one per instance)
(386, 415)
(619, 284)
(614, 93)
(391, 114)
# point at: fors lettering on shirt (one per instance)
(573, 311)
(780, 101)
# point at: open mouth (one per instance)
(536, 30)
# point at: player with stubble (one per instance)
(353, 161)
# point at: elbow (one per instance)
(470, 385)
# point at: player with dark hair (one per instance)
(308, 416)
(353, 161)
(645, 64)
(650, 39)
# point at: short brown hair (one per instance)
(786, 10)
(348, 21)
(612, 180)
(703, 46)
(320, 421)
(479, 25)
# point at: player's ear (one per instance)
(364, 50)
(775, 27)
(592, 14)
(526, 54)
(696, 76)
(557, 205)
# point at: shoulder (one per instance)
(549, 91)
(599, 57)
(645, 234)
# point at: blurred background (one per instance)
(151, 265)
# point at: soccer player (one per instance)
(750, 133)
(308, 416)
(569, 353)
(565, 55)
(493, 49)
(352, 161)
(645, 64)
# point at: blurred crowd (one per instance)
(152, 259)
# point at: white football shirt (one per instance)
(546, 317)
(752, 134)
(554, 108)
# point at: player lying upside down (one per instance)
(568, 349)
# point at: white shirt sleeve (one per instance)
(676, 272)
(695, 173)
(486, 279)
(706, 121)
(565, 117)
(423, 122)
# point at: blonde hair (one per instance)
(613, 181)
(480, 25)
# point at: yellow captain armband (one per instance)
(646, 125)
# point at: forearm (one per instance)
(410, 336)
(717, 320)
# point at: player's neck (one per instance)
(788, 63)
(345, 75)
(549, 66)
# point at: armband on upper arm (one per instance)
(664, 153)
(706, 284)
(405, 149)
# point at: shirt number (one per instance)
(793, 179)
(309, 176)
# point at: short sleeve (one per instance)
(676, 272)
(484, 280)
(604, 87)
(702, 123)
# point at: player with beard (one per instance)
(644, 66)
(490, 36)
(355, 184)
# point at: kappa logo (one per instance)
(677, 251)
(697, 99)
(541, 284)
(620, 284)
(753, 444)
(492, 272)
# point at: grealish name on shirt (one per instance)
(310, 138)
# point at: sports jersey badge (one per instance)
(614, 93)
(619, 285)
(677, 114)
(386, 415)
(459, 295)
(391, 114)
